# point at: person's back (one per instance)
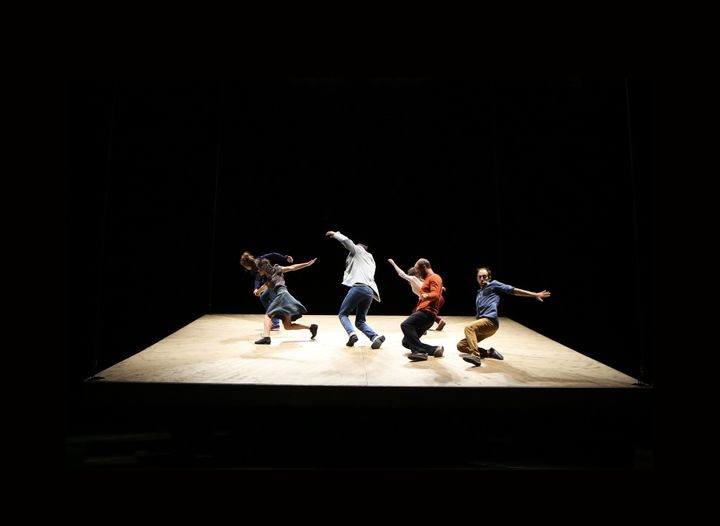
(359, 265)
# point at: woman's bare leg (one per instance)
(290, 326)
(267, 324)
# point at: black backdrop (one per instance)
(169, 180)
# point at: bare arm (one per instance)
(414, 281)
(527, 294)
(298, 266)
(400, 272)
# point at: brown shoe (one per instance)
(440, 325)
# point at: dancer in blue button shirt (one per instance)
(486, 305)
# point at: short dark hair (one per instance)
(485, 268)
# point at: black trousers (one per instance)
(413, 327)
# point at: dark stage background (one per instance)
(169, 180)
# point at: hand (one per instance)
(330, 233)
(391, 261)
(541, 295)
(311, 261)
(290, 259)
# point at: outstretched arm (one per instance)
(298, 266)
(344, 240)
(527, 294)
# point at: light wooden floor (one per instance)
(219, 349)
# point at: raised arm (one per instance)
(344, 240)
(400, 271)
(527, 294)
(298, 266)
(415, 282)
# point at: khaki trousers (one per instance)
(475, 333)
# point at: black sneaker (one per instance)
(492, 353)
(418, 356)
(263, 341)
(377, 342)
(351, 340)
(313, 331)
(439, 350)
(471, 358)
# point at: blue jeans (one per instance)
(358, 299)
(266, 298)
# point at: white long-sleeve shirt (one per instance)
(359, 266)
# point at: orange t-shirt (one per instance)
(433, 287)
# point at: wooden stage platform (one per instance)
(207, 397)
(219, 349)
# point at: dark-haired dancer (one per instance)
(248, 261)
(284, 307)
